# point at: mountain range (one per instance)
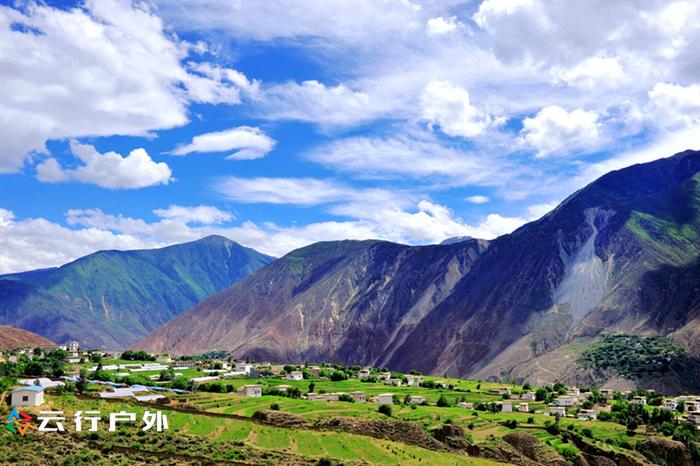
(620, 255)
(12, 337)
(110, 299)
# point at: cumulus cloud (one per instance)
(449, 107)
(106, 68)
(679, 105)
(248, 143)
(439, 26)
(556, 131)
(593, 72)
(108, 170)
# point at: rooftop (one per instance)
(31, 388)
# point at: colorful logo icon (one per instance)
(19, 422)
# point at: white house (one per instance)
(359, 396)
(670, 405)
(384, 375)
(208, 378)
(639, 400)
(295, 375)
(694, 417)
(557, 410)
(164, 359)
(27, 396)
(465, 405)
(393, 382)
(529, 396)
(414, 380)
(524, 408)
(692, 406)
(364, 373)
(606, 393)
(250, 390)
(506, 407)
(588, 414)
(384, 399)
(73, 346)
(416, 400)
(565, 401)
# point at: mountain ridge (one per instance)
(111, 298)
(488, 309)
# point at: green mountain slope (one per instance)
(112, 298)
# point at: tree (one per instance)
(82, 383)
(338, 376)
(312, 385)
(385, 409)
(443, 402)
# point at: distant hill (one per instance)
(619, 256)
(111, 299)
(13, 337)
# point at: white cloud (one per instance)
(679, 105)
(478, 199)
(593, 72)
(105, 68)
(449, 107)
(367, 157)
(108, 170)
(439, 26)
(248, 143)
(203, 214)
(332, 20)
(312, 101)
(214, 84)
(555, 131)
(296, 191)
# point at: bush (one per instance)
(275, 406)
(531, 420)
(511, 423)
(339, 376)
(346, 397)
(443, 402)
(385, 409)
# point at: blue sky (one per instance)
(280, 123)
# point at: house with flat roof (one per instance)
(465, 405)
(32, 395)
(587, 415)
(555, 410)
(384, 399)
(295, 375)
(250, 390)
(523, 408)
(359, 396)
(416, 400)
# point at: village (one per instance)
(565, 402)
(36, 379)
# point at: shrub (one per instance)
(346, 397)
(385, 409)
(443, 402)
(511, 423)
(531, 420)
(275, 406)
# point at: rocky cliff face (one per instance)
(521, 305)
(110, 299)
